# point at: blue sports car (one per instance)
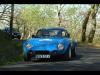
(49, 43)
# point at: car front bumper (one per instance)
(54, 54)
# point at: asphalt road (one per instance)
(87, 59)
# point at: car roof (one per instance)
(55, 28)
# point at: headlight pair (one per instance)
(60, 46)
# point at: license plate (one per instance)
(42, 56)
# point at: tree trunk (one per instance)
(84, 26)
(93, 22)
(59, 14)
(11, 19)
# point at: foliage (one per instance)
(10, 52)
(33, 18)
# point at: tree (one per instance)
(33, 17)
(84, 25)
(93, 22)
(72, 19)
(59, 9)
(11, 19)
(4, 13)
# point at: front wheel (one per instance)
(68, 55)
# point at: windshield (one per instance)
(49, 33)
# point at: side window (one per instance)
(39, 33)
(67, 34)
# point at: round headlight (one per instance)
(28, 46)
(60, 46)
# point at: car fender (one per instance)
(24, 48)
(67, 45)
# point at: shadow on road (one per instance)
(78, 57)
(59, 59)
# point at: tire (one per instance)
(73, 52)
(68, 55)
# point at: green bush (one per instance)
(10, 50)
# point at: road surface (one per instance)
(88, 59)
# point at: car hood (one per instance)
(46, 43)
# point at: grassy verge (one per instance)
(86, 44)
(10, 50)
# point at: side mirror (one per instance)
(33, 36)
(68, 35)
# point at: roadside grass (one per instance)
(10, 50)
(86, 44)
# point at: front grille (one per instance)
(41, 52)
